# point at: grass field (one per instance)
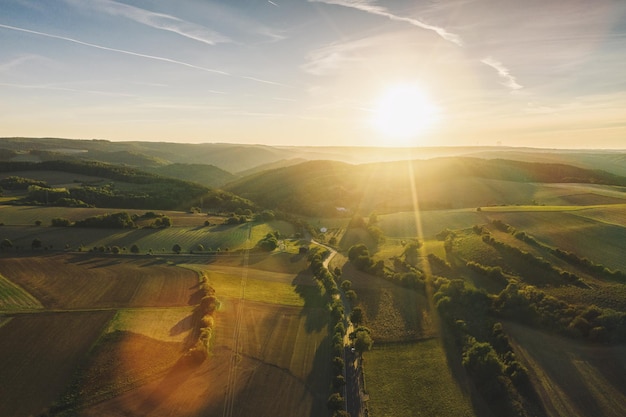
(260, 286)
(166, 324)
(413, 379)
(598, 241)
(12, 297)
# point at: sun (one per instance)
(403, 113)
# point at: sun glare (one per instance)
(403, 113)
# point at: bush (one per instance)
(60, 222)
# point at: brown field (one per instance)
(280, 369)
(138, 328)
(573, 379)
(64, 281)
(40, 353)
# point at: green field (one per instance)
(413, 379)
(224, 238)
(13, 297)
(229, 285)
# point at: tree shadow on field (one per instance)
(315, 302)
(317, 380)
(182, 326)
(411, 307)
(172, 381)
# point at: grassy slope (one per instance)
(13, 297)
(413, 380)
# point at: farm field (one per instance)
(601, 242)
(414, 379)
(12, 297)
(41, 352)
(573, 379)
(280, 349)
(145, 306)
(81, 281)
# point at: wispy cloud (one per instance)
(157, 20)
(272, 3)
(17, 62)
(371, 7)
(57, 88)
(507, 79)
(137, 54)
(328, 59)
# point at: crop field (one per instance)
(573, 379)
(12, 297)
(281, 350)
(79, 281)
(413, 379)
(598, 241)
(170, 324)
(403, 225)
(269, 287)
(393, 313)
(44, 351)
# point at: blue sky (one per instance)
(540, 73)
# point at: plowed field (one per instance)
(85, 282)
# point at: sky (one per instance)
(535, 73)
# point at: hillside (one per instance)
(321, 188)
(239, 158)
(81, 183)
(207, 175)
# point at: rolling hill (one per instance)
(321, 188)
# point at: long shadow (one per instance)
(174, 379)
(319, 378)
(408, 303)
(182, 326)
(315, 301)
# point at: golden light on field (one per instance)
(404, 113)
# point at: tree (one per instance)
(351, 295)
(177, 248)
(134, 249)
(363, 339)
(357, 316)
(115, 249)
(335, 402)
(411, 252)
(60, 222)
(35, 244)
(38, 222)
(346, 285)
(6, 244)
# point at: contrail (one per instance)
(137, 54)
(368, 7)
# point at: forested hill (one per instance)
(318, 188)
(104, 185)
(239, 159)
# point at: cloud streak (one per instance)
(140, 55)
(73, 90)
(507, 79)
(158, 21)
(368, 6)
